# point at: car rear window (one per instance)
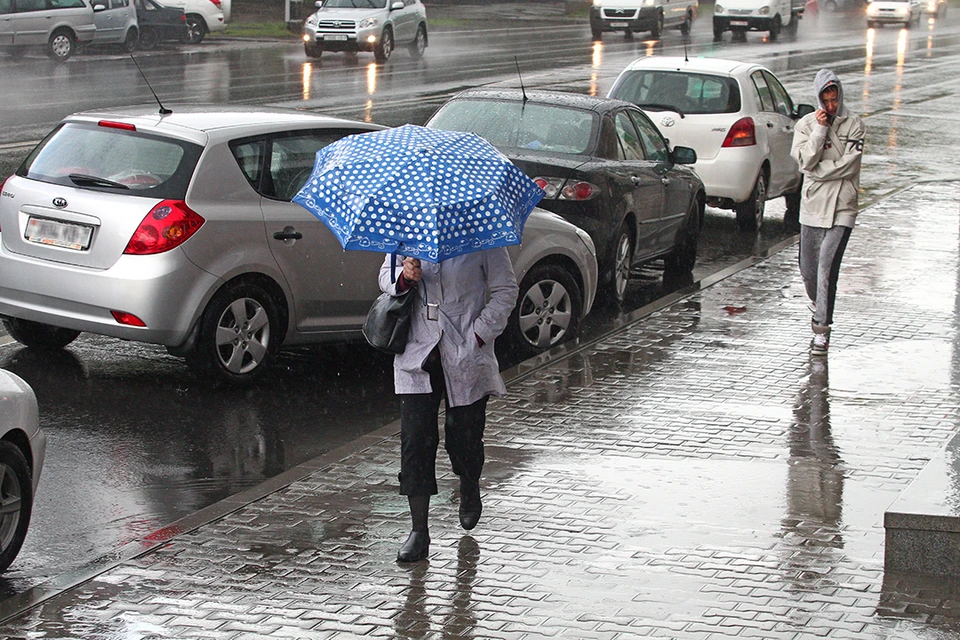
(695, 93)
(106, 158)
(515, 125)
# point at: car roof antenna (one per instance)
(685, 58)
(163, 110)
(522, 89)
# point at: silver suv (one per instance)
(366, 25)
(56, 24)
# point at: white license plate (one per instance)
(739, 23)
(619, 25)
(336, 38)
(58, 234)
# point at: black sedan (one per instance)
(158, 22)
(604, 167)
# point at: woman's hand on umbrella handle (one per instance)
(412, 270)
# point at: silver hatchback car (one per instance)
(177, 229)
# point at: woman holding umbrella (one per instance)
(464, 305)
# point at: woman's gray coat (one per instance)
(476, 293)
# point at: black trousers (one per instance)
(420, 437)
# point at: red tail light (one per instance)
(742, 134)
(127, 318)
(126, 126)
(167, 226)
(559, 188)
(217, 2)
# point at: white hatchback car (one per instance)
(22, 450)
(203, 16)
(177, 229)
(738, 118)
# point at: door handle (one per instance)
(287, 234)
(636, 180)
(665, 180)
(770, 125)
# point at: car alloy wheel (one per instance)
(131, 40)
(684, 256)
(385, 47)
(750, 212)
(419, 44)
(16, 502)
(622, 261)
(548, 311)
(149, 38)
(196, 30)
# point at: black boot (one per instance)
(417, 545)
(470, 505)
(415, 548)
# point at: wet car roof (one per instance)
(559, 98)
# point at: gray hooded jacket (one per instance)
(829, 157)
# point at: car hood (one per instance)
(626, 4)
(347, 13)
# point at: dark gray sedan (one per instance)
(604, 167)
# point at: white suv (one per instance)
(203, 16)
(366, 25)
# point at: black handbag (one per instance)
(387, 326)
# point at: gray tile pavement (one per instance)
(692, 475)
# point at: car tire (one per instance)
(37, 335)
(775, 28)
(313, 50)
(419, 44)
(196, 30)
(750, 211)
(657, 29)
(149, 38)
(131, 40)
(239, 334)
(16, 502)
(686, 25)
(718, 29)
(385, 47)
(619, 269)
(596, 31)
(547, 312)
(61, 45)
(684, 257)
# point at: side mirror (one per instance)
(99, 7)
(396, 5)
(803, 109)
(684, 155)
(318, 4)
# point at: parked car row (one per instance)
(61, 26)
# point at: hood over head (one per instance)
(827, 78)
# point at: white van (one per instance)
(634, 16)
(57, 25)
(740, 16)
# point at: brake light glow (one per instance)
(742, 134)
(167, 226)
(217, 2)
(128, 319)
(126, 126)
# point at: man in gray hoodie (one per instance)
(828, 145)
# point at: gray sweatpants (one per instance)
(821, 251)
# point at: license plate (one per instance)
(336, 38)
(619, 25)
(58, 234)
(739, 23)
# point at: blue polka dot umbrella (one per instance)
(423, 193)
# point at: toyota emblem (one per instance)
(59, 203)
(336, 24)
(668, 121)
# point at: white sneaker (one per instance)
(820, 344)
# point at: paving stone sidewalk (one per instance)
(694, 475)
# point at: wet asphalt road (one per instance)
(136, 442)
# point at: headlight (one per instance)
(312, 20)
(871, 10)
(598, 3)
(367, 23)
(649, 3)
(903, 11)
(763, 10)
(718, 9)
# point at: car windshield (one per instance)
(515, 125)
(687, 93)
(355, 4)
(113, 159)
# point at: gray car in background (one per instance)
(57, 25)
(177, 229)
(366, 25)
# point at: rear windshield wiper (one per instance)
(654, 106)
(83, 180)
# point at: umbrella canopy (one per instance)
(423, 193)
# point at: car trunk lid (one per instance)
(704, 133)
